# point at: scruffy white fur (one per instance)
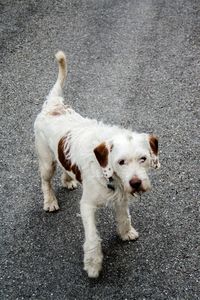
(105, 156)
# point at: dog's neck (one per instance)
(111, 184)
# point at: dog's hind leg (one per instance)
(47, 168)
(68, 181)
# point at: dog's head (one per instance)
(129, 156)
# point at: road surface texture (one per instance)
(132, 63)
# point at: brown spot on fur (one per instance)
(62, 62)
(77, 172)
(66, 162)
(57, 110)
(153, 141)
(101, 153)
(55, 113)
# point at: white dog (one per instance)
(110, 162)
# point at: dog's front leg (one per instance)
(123, 218)
(92, 247)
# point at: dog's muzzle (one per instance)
(136, 185)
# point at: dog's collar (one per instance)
(110, 184)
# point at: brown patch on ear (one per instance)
(66, 162)
(101, 153)
(153, 141)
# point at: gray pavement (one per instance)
(133, 63)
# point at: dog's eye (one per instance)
(121, 162)
(142, 159)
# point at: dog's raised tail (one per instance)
(62, 67)
(62, 70)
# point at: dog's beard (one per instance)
(121, 192)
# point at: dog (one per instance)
(110, 162)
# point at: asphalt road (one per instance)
(133, 63)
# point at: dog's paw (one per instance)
(51, 205)
(92, 271)
(70, 185)
(93, 266)
(132, 234)
(93, 262)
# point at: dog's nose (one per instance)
(135, 183)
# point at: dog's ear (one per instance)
(153, 142)
(102, 154)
